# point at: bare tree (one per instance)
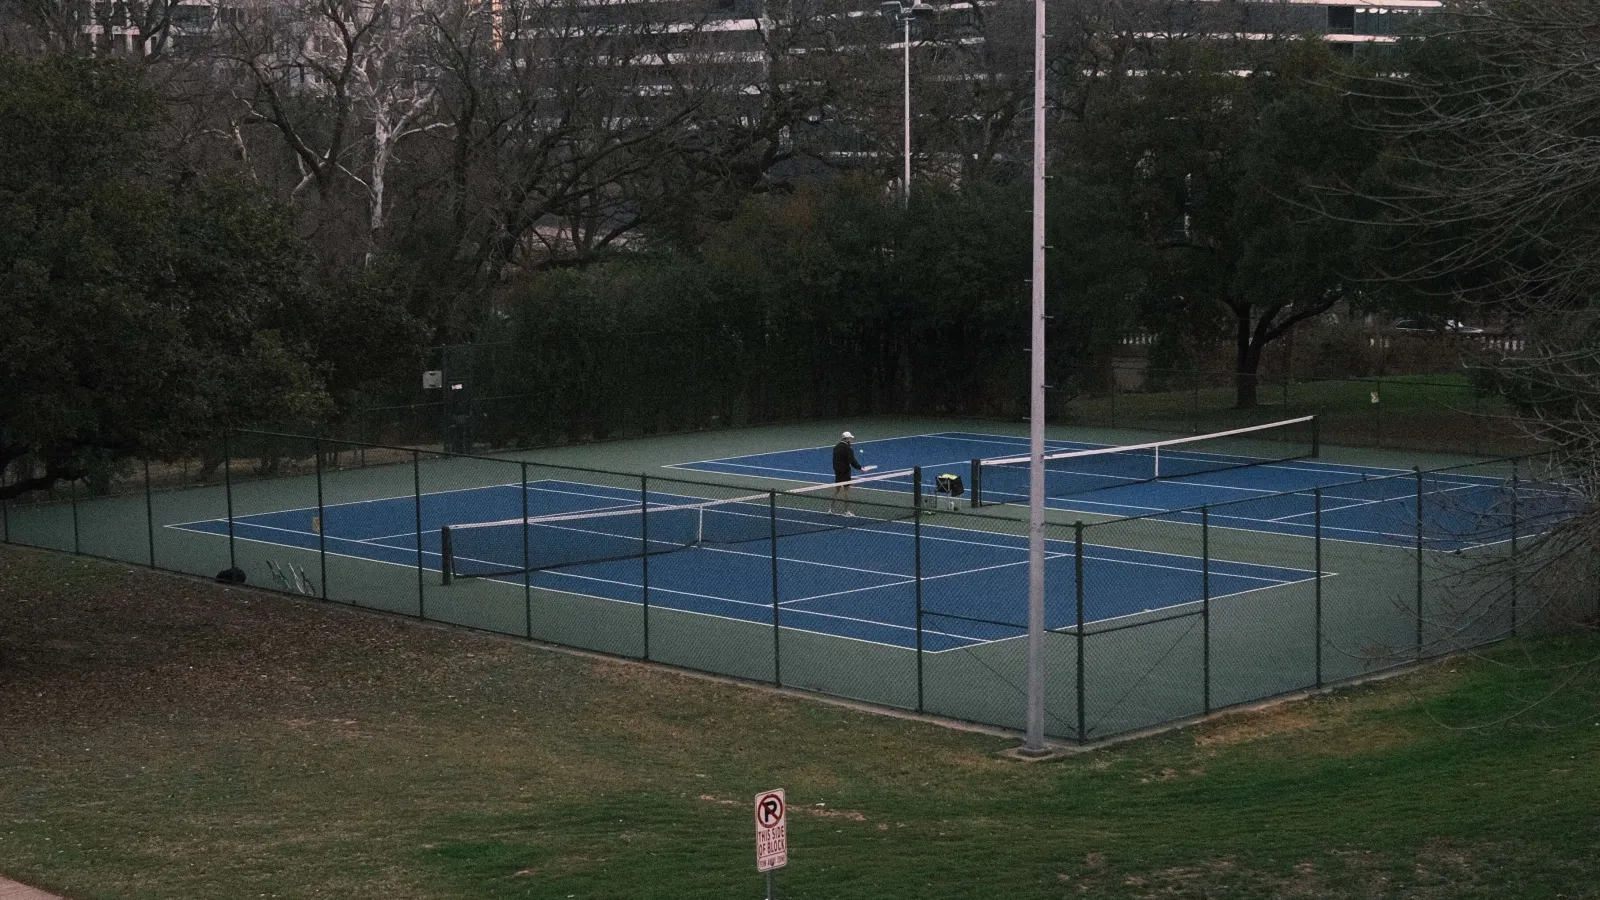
(341, 83)
(1495, 172)
(551, 108)
(1499, 173)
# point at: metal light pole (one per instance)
(1034, 743)
(895, 10)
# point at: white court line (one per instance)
(901, 579)
(238, 523)
(1159, 609)
(811, 477)
(513, 485)
(713, 548)
(911, 579)
(383, 562)
(902, 531)
(765, 605)
(722, 459)
(977, 640)
(889, 529)
(518, 586)
(1357, 503)
(971, 640)
(1191, 516)
(1065, 552)
(942, 435)
(975, 437)
(244, 521)
(1302, 530)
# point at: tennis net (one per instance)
(1071, 472)
(514, 546)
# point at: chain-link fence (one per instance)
(1431, 413)
(486, 403)
(884, 596)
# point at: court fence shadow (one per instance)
(885, 597)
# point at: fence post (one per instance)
(916, 541)
(227, 490)
(1418, 470)
(149, 515)
(1194, 401)
(1377, 417)
(1477, 421)
(1077, 569)
(644, 558)
(777, 624)
(1515, 563)
(1317, 542)
(1205, 604)
(416, 493)
(322, 521)
(72, 497)
(527, 562)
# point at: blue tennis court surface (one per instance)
(856, 582)
(1360, 503)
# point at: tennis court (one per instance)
(854, 576)
(1271, 465)
(744, 566)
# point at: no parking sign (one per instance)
(772, 832)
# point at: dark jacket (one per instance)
(844, 459)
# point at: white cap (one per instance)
(848, 436)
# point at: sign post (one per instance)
(772, 835)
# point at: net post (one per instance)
(1156, 472)
(447, 556)
(1077, 570)
(644, 557)
(1418, 470)
(1205, 606)
(977, 483)
(527, 553)
(1316, 437)
(1316, 538)
(227, 490)
(916, 487)
(149, 515)
(777, 649)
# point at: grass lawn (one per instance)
(169, 738)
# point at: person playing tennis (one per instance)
(844, 460)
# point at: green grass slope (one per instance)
(168, 738)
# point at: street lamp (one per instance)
(894, 10)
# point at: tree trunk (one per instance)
(1245, 385)
(1246, 380)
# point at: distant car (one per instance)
(1439, 326)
